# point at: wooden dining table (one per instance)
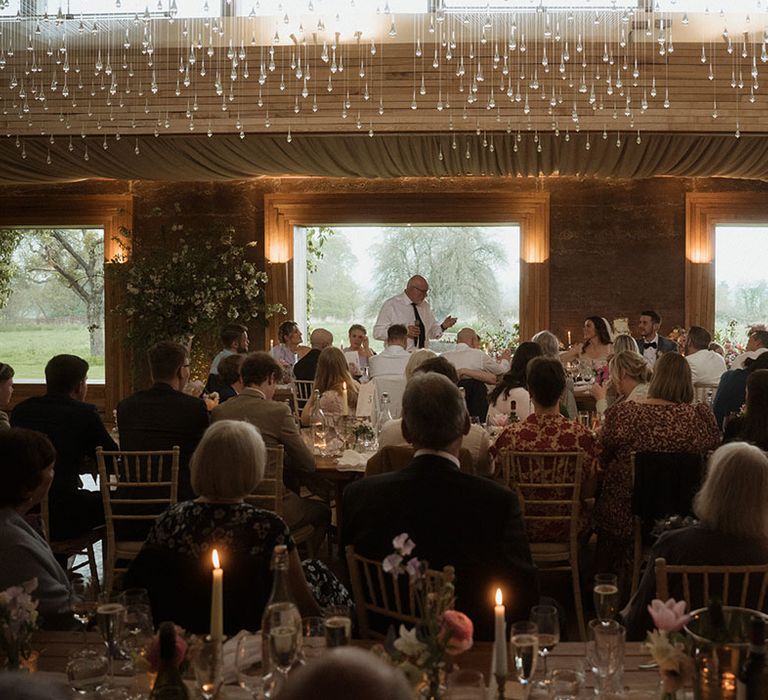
(328, 469)
(55, 647)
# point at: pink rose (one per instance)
(457, 630)
(499, 420)
(669, 616)
(153, 656)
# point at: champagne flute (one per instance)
(524, 645)
(548, 622)
(606, 596)
(83, 601)
(110, 617)
(207, 665)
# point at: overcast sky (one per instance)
(741, 253)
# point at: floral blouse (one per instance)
(551, 433)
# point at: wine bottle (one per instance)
(281, 622)
(169, 684)
(753, 681)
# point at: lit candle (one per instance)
(217, 599)
(500, 637)
(344, 400)
(569, 339)
(271, 344)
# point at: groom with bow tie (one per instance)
(652, 344)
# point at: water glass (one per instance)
(313, 637)
(207, 664)
(565, 683)
(606, 596)
(548, 622)
(249, 666)
(524, 647)
(465, 684)
(87, 670)
(605, 651)
(338, 626)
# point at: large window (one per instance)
(56, 300)
(473, 272)
(741, 296)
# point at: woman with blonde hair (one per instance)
(330, 379)
(630, 375)
(665, 421)
(732, 528)
(416, 360)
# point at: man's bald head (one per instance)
(346, 672)
(320, 338)
(468, 337)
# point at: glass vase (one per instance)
(433, 683)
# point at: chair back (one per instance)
(704, 392)
(135, 488)
(393, 458)
(303, 389)
(395, 387)
(269, 493)
(548, 485)
(743, 586)
(379, 593)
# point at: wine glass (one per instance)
(250, 670)
(548, 622)
(207, 665)
(83, 601)
(606, 596)
(524, 645)
(87, 670)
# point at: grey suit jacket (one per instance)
(664, 345)
(275, 422)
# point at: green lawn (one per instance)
(28, 349)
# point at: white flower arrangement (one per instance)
(18, 620)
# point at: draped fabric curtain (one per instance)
(198, 157)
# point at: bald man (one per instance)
(411, 310)
(306, 367)
(471, 361)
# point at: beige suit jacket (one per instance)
(275, 422)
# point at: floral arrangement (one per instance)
(18, 620)
(441, 632)
(668, 647)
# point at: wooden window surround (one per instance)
(703, 213)
(529, 211)
(112, 213)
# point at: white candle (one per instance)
(217, 599)
(569, 339)
(344, 400)
(500, 637)
(271, 344)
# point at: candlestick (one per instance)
(217, 599)
(500, 637)
(344, 400)
(501, 681)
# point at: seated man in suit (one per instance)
(306, 367)
(652, 344)
(163, 416)
(466, 521)
(391, 361)
(75, 430)
(260, 373)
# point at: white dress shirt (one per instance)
(649, 354)
(738, 363)
(399, 309)
(465, 357)
(391, 361)
(706, 366)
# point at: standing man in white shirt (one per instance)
(706, 365)
(411, 310)
(471, 361)
(391, 361)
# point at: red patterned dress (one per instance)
(550, 433)
(632, 427)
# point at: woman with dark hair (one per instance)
(597, 344)
(513, 385)
(732, 387)
(26, 472)
(289, 348)
(752, 425)
(6, 391)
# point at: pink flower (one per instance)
(153, 656)
(403, 544)
(457, 630)
(392, 564)
(669, 616)
(499, 420)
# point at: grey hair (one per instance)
(548, 342)
(735, 492)
(434, 413)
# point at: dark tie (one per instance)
(649, 345)
(422, 334)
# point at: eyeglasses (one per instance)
(419, 289)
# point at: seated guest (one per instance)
(174, 565)
(416, 359)
(732, 529)
(471, 361)
(347, 672)
(731, 391)
(651, 344)
(487, 544)
(6, 391)
(275, 422)
(597, 344)
(306, 367)
(513, 387)
(230, 381)
(707, 366)
(358, 342)
(665, 421)
(625, 342)
(163, 416)
(26, 470)
(476, 441)
(629, 376)
(234, 340)
(757, 344)
(752, 425)
(331, 379)
(546, 430)
(75, 429)
(289, 348)
(550, 347)
(391, 361)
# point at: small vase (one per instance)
(433, 684)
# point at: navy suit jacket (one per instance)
(454, 518)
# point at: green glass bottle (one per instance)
(169, 685)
